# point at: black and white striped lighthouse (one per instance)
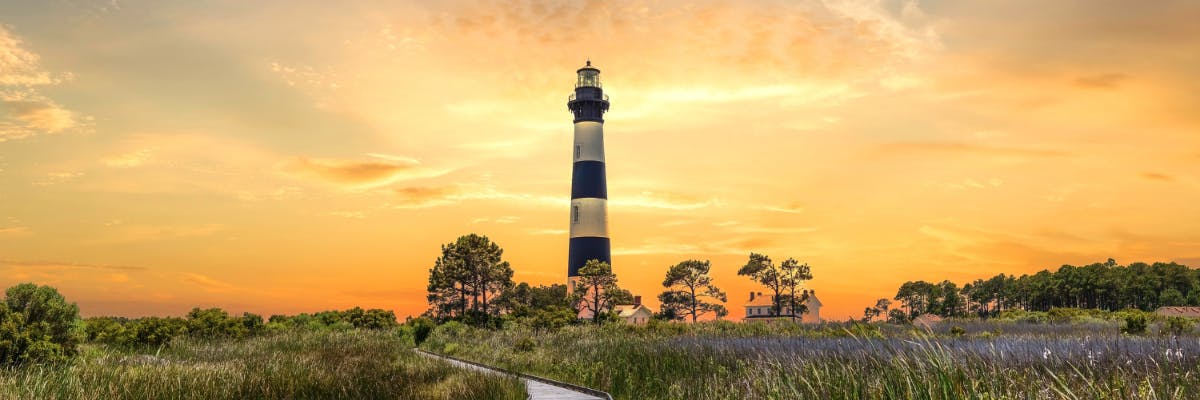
(589, 192)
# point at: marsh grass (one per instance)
(358, 364)
(836, 361)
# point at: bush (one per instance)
(421, 328)
(524, 344)
(1178, 325)
(152, 331)
(1135, 323)
(214, 323)
(37, 325)
(957, 331)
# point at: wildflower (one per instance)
(1045, 353)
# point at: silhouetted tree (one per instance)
(468, 276)
(793, 275)
(688, 285)
(597, 290)
(762, 270)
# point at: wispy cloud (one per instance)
(355, 173)
(1101, 81)
(124, 234)
(548, 232)
(24, 111)
(131, 159)
(665, 201)
(69, 265)
(794, 207)
(951, 148)
(208, 284)
(1155, 176)
(14, 231)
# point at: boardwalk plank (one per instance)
(536, 390)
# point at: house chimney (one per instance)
(637, 301)
(751, 296)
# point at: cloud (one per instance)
(1102, 81)
(19, 67)
(426, 196)
(136, 158)
(1154, 176)
(355, 173)
(794, 207)
(396, 158)
(14, 231)
(24, 111)
(207, 283)
(125, 234)
(665, 201)
(548, 232)
(433, 196)
(55, 178)
(349, 214)
(498, 220)
(951, 148)
(66, 265)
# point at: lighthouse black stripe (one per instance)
(587, 180)
(583, 249)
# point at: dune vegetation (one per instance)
(956, 359)
(292, 364)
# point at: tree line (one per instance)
(471, 283)
(1104, 286)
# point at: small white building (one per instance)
(761, 307)
(636, 313)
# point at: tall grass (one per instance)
(784, 361)
(356, 364)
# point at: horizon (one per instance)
(283, 157)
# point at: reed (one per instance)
(298, 364)
(721, 360)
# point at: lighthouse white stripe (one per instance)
(589, 217)
(589, 141)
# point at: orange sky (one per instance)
(285, 156)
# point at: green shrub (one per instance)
(253, 323)
(957, 331)
(1018, 315)
(152, 331)
(525, 344)
(1135, 323)
(38, 325)
(1178, 325)
(214, 323)
(421, 328)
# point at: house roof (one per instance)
(1178, 311)
(926, 319)
(627, 310)
(759, 301)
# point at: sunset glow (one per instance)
(286, 156)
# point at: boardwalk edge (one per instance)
(547, 381)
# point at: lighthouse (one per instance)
(589, 192)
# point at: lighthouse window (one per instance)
(575, 214)
(578, 150)
(588, 77)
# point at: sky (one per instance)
(298, 156)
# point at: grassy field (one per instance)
(355, 364)
(985, 360)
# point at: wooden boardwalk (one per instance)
(537, 389)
